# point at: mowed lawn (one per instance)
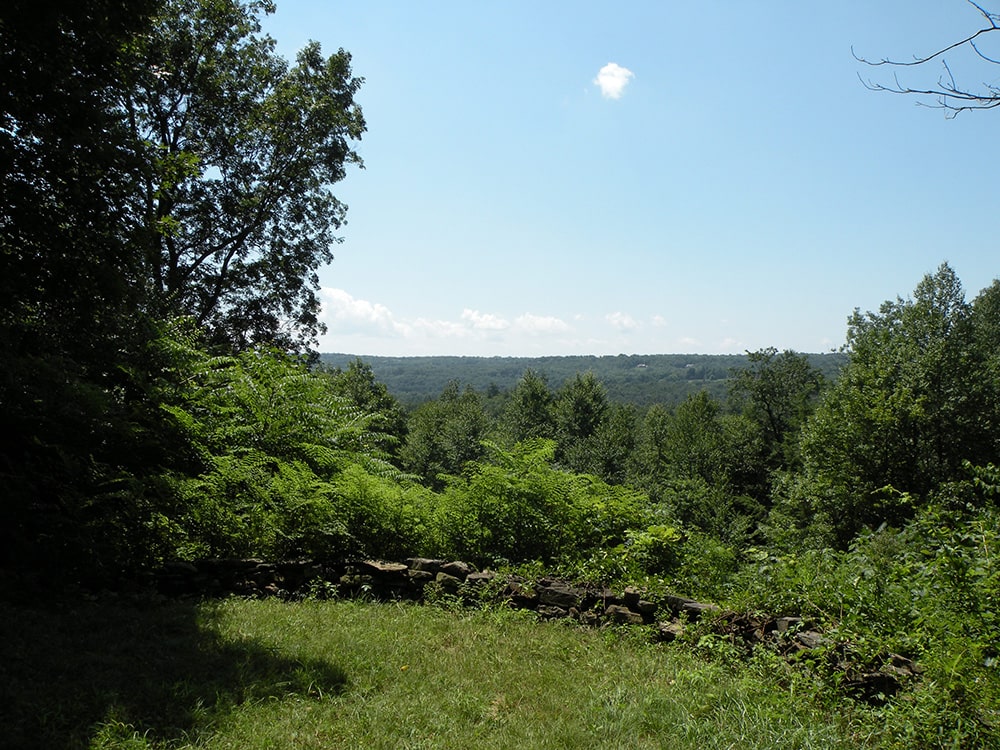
(267, 674)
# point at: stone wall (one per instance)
(418, 579)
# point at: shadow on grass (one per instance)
(72, 671)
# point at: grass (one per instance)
(266, 674)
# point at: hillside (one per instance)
(640, 379)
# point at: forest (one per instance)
(167, 199)
(639, 379)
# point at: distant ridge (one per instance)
(640, 379)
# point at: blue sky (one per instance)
(742, 190)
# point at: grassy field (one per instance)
(266, 674)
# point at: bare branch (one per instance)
(985, 57)
(948, 94)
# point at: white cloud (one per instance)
(342, 311)
(439, 329)
(622, 321)
(366, 327)
(612, 80)
(541, 324)
(688, 341)
(659, 321)
(485, 321)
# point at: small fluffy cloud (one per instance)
(622, 321)
(612, 80)
(659, 321)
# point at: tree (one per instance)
(529, 412)
(444, 435)
(233, 213)
(69, 337)
(157, 160)
(908, 409)
(613, 443)
(777, 391)
(64, 173)
(649, 467)
(581, 407)
(359, 385)
(947, 93)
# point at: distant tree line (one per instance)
(642, 380)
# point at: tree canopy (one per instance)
(159, 163)
(916, 403)
(238, 149)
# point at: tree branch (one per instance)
(947, 92)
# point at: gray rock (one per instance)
(810, 638)
(784, 624)
(669, 631)
(457, 569)
(551, 613)
(450, 584)
(479, 579)
(383, 569)
(423, 563)
(623, 615)
(559, 594)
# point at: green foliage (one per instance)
(518, 507)
(695, 446)
(908, 409)
(778, 392)
(581, 407)
(655, 549)
(358, 384)
(613, 444)
(444, 435)
(708, 567)
(383, 517)
(237, 150)
(928, 591)
(529, 413)
(514, 508)
(270, 438)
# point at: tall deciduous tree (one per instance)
(358, 383)
(581, 407)
(908, 409)
(444, 435)
(64, 173)
(157, 159)
(529, 412)
(66, 329)
(233, 211)
(778, 392)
